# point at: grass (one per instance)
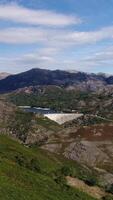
(27, 174)
(48, 124)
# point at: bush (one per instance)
(91, 181)
(108, 197)
(31, 164)
(66, 171)
(110, 188)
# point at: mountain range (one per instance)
(42, 77)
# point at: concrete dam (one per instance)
(61, 118)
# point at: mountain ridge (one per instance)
(43, 77)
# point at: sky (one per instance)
(56, 34)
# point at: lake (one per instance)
(39, 110)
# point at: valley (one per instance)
(71, 128)
(56, 100)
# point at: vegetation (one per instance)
(109, 188)
(20, 124)
(47, 123)
(108, 197)
(64, 100)
(32, 174)
(57, 98)
(29, 173)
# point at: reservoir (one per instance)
(59, 118)
(38, 110)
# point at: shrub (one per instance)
(66, 171)
(108, 197)
(91, 181)
(31, 164)
(110, 188)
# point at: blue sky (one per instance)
(56, 34)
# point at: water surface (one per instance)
(40, 110)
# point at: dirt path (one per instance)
(99, 117)
(93, 191)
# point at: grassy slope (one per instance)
(27, 174)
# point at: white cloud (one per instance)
(52, 58)
(55, 41)
(22, 35)
(88, 37)
(42, 58)
(101, 58)
(21, 14)
(53, 37)
(95, 61)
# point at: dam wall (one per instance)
(61, 118)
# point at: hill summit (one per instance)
(44, 77)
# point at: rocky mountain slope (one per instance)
(87, 140)
(89, 145)
(34, 77)
(86, 143)
(28, 171)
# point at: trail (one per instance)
(99, 117)
(93, 191)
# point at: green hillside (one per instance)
(32, 174)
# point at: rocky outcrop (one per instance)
(89, 145)
(89, 152)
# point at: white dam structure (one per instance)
(61, 118)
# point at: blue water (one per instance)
(40, 110)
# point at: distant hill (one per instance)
(41, 77)
(4, 75)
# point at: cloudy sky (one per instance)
(56, 34)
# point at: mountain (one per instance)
(40, 77)
(29, 171)
(3, 75)
(66, 79)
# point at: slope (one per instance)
(29, 174)
(34, 77)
